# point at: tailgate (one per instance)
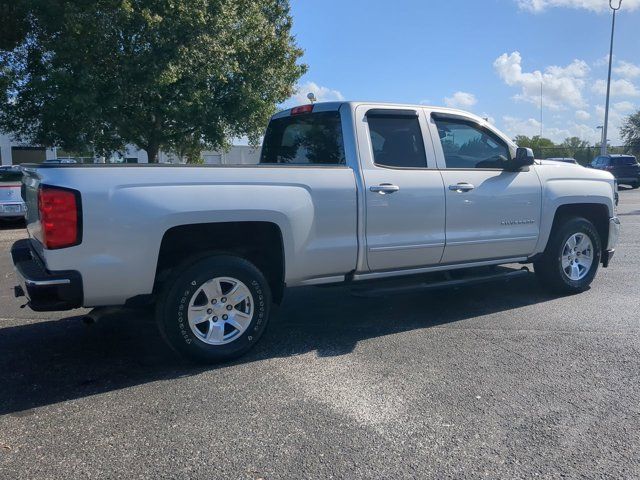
(30, 184)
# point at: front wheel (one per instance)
(214, 309)
(570, 261)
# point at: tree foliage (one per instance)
(535, 142)
(181, 75)
(630, 132)
(571, 147)
(574, 143)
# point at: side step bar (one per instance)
(408, 286)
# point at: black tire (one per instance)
(635, 185)
(548, 268)
(173, 304)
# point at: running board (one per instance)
(409, 285)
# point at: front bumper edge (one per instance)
(614, 235)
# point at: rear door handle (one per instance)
(384, 188)
(461, 187)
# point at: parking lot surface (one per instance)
(499, 380)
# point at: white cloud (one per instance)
(530, 127)
(601, 62)
(323, 94)
(593, 5)
(619, 88)
(517, 126)
(461, 100)
(624, 106)
(627, 70)
(582, 115)
(617, 114)
(561, 85)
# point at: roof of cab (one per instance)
(333, 106)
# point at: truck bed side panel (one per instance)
(127, 210)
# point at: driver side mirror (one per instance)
(524, 158)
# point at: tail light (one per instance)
(60, 216)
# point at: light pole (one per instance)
(601, 127)
(603, 147)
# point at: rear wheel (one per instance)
(570, 261)
(214, 309)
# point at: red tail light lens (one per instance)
(59, 216)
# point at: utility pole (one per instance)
(541, 83)
(603, 147)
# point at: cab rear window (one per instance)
(12, 175)
(307, 139)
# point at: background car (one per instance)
(12, 207)
(624, 167)
(60, 160)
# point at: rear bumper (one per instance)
(45, 290)
(614, 235)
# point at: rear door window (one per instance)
(306, 139)
(622, 161)
(396, 140)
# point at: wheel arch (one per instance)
(596, 213)
(259, 242)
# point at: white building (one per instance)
(13, 153)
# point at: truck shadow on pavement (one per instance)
(43, 363)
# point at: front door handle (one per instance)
(461, 187)
(384, 188)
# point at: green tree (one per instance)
(13, 18)
(152, 73)
(575, 147)
(542, 147)
(533, 142)
(630, 132)
(574, 143)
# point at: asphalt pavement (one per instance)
(499, 380)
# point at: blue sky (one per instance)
(486, 56)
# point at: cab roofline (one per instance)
(334, 106)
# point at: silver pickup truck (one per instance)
(345, 193)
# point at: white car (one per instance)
(346, 193)
(12, 207)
